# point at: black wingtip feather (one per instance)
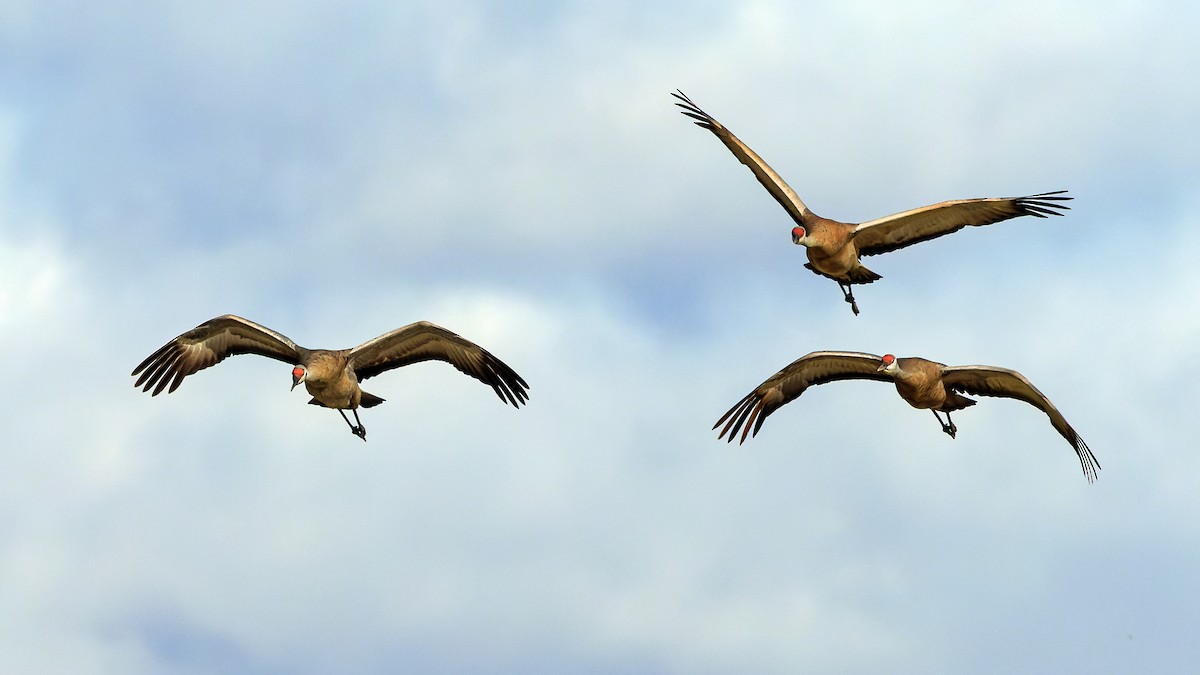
(1043, 205)
(508, 385)
(738, 421)
(694, 111)
(155, 372)
(1091, 466)
(762, 417)
(1050, 195)
(1047, 209)
(729, 413)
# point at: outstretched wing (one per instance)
(789, 383)
(762, 171)
(929, 222)
(992, 381)
(424, 341)
(208, 344)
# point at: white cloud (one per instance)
(531, 187)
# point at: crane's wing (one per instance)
(992, 381)
(762, 171)
(789, 383)
(424, 341)
(928, 222)
(207, 345)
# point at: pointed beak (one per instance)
(882, 367)
(295, 381)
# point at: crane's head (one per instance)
(298, 375)
(799, 235)
(887, 365)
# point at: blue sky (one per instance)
(518, 174)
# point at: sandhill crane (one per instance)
(834, 248)
(331, 376)
(924, 384)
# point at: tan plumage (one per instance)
(922, 383)
(331, 376)
(835, 248)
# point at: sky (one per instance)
(518, 174)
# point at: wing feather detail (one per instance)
(772, 181)
(929, 222)
(424, 341)
(207, 345)
(1002, 382)
(748, 414)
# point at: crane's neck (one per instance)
(897, 372)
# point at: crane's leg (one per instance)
(359, 430)
(848, 296)
(948, 425)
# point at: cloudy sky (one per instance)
(518, 174)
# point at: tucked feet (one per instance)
(356, 429)
(948, 425)
(848, 296)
